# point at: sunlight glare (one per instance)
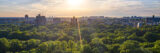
(75, 2)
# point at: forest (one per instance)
(64, 38)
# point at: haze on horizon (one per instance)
(17, 8)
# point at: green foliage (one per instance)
(42, 48)
(4, 45)
(131, 46)
(32, 43)
(151, 37)
(114, 48)
(64, 38)
(15, 45)
(98, 46)
(156, 47)
(87, 49)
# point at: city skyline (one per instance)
(17, 8)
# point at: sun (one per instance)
(74, 2)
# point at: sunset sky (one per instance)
(17, 8)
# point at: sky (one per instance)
(18, 8)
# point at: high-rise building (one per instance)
(153, 16)
(26, 19)
(153, 20)
(74, 21)
(26, 16)
(40, 20)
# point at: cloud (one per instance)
(130, 7)
(89, 7)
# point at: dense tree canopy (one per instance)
(64, 38)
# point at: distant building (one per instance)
(74, 21)
(49, 20)
(96, 17)
(26, 16)
(153, 20)
(153, 16)
(66, 20)
(12, 20)
(101, 17)
(138, 21)
(56, 20)
(40, 20)
(26, 19)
